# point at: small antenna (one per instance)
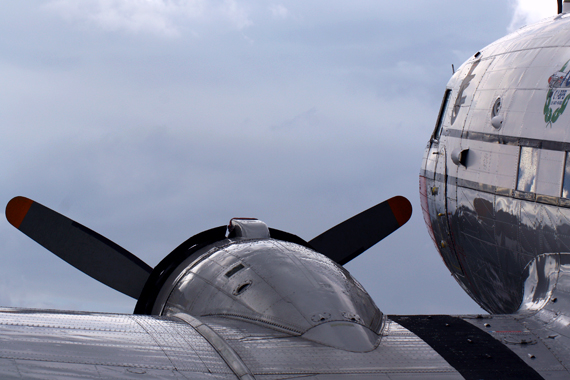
(453, 68)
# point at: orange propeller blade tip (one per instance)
(401, 208)
(17, 209)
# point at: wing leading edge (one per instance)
(87, 345)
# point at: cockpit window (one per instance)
(528, 166)
(441, 116)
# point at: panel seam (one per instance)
(232, 359)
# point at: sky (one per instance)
(152, 120)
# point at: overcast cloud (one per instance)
(150, 121)
(162, 17)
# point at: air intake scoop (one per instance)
(248, 228)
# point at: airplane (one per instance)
(248, 301)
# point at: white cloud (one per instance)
(531, 11)
(164, 17)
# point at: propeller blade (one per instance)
(80, 246)
(350, 238)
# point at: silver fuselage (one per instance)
(495, 179)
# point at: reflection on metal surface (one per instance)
(566, 183)
(344, 335)
(509, 211)
(77, 345)
(399, 354)
(540, 277)
(492, 189)
(281, 284)
(528, 166)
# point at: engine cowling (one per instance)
(281, 284)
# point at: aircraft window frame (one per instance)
(441, 116)
(527, 174)
(565, 178)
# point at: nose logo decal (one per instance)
(558, 95)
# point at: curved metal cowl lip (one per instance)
(159, 283)
(348, 336)
(279, 284)
(165, 274)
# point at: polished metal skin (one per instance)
(495, 190)
(55, 345)
(495, 178)
(282, 285)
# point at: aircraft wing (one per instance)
(53, 344)
(40, 344)
(494, 346)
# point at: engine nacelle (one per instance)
(280, 284)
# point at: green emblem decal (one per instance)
(558, 95)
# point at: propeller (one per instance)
(350, 238)
(83, 248)
(119, 269)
